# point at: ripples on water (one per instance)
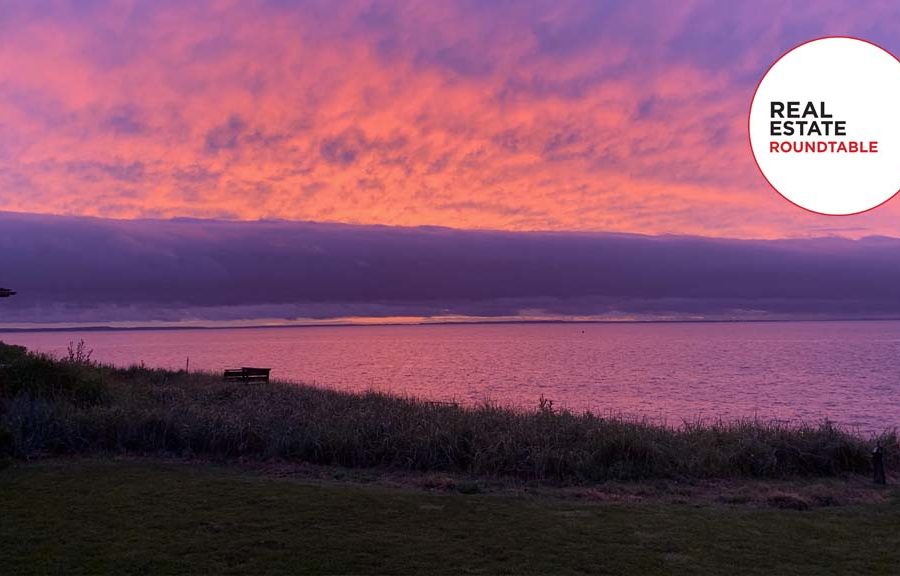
(848, 372)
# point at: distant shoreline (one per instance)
(101, 328)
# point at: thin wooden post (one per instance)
(878, 464)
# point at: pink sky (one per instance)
(578, 115)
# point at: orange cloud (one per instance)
(560, 116)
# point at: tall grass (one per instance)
(75, 406)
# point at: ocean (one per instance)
(847, 372)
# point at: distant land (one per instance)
(478, 322)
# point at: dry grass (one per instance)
(75, 406)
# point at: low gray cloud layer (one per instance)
(93, 270)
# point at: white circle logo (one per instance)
(825, 126)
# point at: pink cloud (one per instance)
(626, 117)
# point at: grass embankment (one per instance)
(102, 517)
(75, 406)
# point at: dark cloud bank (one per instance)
(93, 270)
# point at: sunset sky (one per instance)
(540, 115)
(179, 126)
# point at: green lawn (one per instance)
(150, 518)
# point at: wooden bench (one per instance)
(247, 375)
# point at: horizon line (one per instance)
(105, 328)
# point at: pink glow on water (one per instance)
(848, 372)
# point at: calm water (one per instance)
(846, 371)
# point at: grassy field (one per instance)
(78, 516)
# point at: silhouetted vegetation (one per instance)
(76, 406)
